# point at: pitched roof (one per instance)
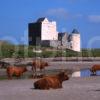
(41, 19)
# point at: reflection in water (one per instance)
(76, 74)
(87, 73)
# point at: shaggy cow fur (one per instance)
(16, 71)
(38, 64)
(94, 69)
(53, 82)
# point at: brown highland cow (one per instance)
(16, 71)
(38, 64)
(53, 82)
(94, 69)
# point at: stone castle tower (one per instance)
(75, 40)
(42, 30)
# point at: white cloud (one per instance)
(94, 18)
(59, 12)
(62, 13)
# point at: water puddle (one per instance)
(85, 73)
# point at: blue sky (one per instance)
(81, 14)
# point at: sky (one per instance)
(83, 15)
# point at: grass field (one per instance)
(10, 50)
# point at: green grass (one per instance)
(3, 78)
(10, 50)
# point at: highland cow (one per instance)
(38, 64)
(94, 69)
(15, 71)
(53, 82)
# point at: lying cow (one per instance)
(94, 69)
(15, 71)
(53, 82)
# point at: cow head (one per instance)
(63, 76)
(24, 69)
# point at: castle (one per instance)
(44, 32)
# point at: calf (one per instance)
(53, 82)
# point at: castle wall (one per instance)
(48, 31)
(44, 33)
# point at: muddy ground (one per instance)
(74, 89)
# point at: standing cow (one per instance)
(94, 69)
(38, 64)
(16, 71)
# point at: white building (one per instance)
(48, 29)
(42, 31)
(75, 41)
